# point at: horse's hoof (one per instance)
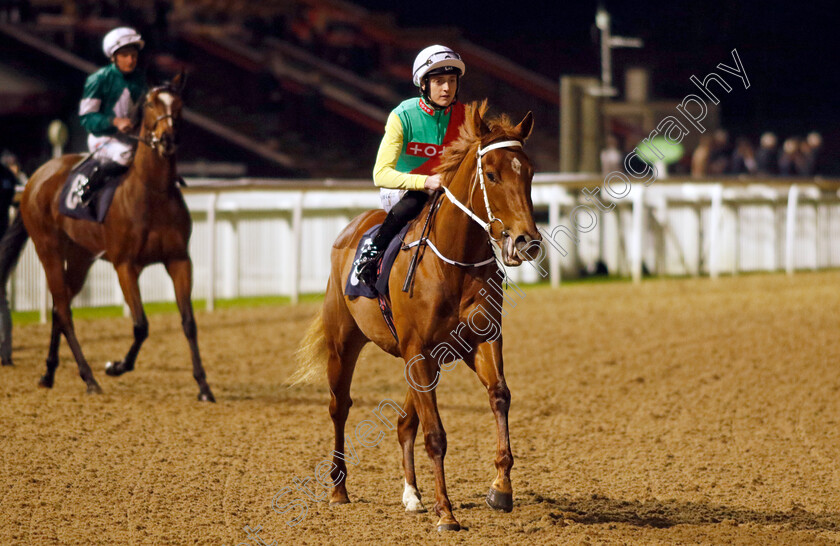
(449, 526)
(115, 368)
(7, 362)
(206, 397)
(94, 388)
(499, 501)
(45, 382)
(339, 497)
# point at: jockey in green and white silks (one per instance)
(108, 100)
(415, 135)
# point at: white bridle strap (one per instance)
(480, 174)
(448, 260)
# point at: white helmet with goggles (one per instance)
(438, 59)
(121, 37)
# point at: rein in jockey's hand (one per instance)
(123, 125)
(432, 182)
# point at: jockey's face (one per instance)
(442, 89)
(126, 59)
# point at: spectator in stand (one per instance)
(811, 160)
(701, 156)
(789, 157)
(768, 154)
(743, 158)
(721, 153)
(611, 157)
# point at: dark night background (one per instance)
(789, 50)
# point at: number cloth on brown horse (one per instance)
(148, 223)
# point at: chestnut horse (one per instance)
(444, 295)
(148, 222)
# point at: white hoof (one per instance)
(109, 365)
(411, 499)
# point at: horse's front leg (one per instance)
(489, 367)
(180, 270)
(407, 433)
(128, 274)
(424, 373)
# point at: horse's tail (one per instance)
(312, 353)
(11, 246)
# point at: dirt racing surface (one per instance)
(678, 411)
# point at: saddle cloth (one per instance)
(354, 288)
(71, 205)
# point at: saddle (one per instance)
(354, 288)
(70, 204)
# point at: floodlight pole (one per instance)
(608, 42)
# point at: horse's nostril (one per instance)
(521, 242)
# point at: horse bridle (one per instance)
(480, 153)
(152, 140)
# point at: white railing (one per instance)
(263, 237)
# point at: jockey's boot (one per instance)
(365, 265)
(368, 261)
(100, 176)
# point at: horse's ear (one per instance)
(179, 81)
(525, 126)
(480, 126)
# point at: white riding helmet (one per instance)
(435, 57)
(121, 37)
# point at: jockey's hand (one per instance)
(123, 125)
(432, 182)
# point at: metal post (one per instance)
(297, 237)
(790, 237)
(211, 251)
(714, 223)
(637, 232)
(553, 221)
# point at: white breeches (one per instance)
(389, 197)
(108, 147)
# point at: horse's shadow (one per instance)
(663, 514)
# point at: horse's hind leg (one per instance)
(181, 272)
(407, 433)
(344, 343)
(128, 274)
(48, 378)
(78, 265)
(63, 287)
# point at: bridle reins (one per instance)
(479, 173)
(487, 226)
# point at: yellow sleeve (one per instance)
(384, 173)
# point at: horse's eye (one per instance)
(491, 176)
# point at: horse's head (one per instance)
(507, 172)
(161, 117)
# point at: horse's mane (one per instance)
(469, 139)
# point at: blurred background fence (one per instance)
(259, 237)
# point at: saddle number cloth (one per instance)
(70, 203)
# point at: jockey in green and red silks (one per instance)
(108, 100)
(415, 135)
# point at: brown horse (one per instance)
(444, 300)
(147, 223)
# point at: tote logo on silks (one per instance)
(423, 149)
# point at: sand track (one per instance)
(678, 411)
